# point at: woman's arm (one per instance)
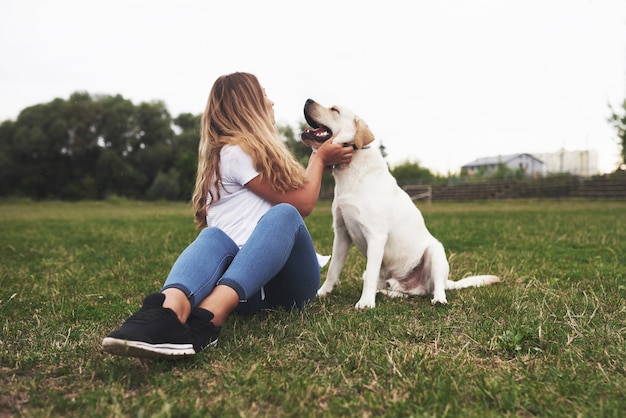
(305, 197)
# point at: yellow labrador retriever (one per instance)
(373, 212)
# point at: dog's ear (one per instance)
(363, 134)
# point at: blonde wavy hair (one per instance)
(236, 114)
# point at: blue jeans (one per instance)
(276, 267)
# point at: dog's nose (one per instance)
(309, 102)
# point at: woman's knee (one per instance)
(211, 232)
(286, 209)
(284, 212)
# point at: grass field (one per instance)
(550, 340)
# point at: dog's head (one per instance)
(336, 123)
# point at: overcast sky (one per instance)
(439, 82)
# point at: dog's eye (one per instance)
(334, 109)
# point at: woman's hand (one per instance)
(334, 154)
(304, 198)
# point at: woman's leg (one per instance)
(277, 266)
(195, 273)
(198, 268)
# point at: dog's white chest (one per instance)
(361, 221)
(356, 229)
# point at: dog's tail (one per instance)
(472, 281)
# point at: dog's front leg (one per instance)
(439, 270)
(375, 251)
(341, 247)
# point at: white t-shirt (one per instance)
(238, 210)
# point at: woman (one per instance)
(254, 251)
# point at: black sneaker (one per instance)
(204, 332)
(152, 332)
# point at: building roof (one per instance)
(499, 159)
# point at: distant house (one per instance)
(530, 165)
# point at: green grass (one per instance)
(549, 340)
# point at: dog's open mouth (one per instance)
(319, 133)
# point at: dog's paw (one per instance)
(364, 304)
(324, 290)
(439, 299)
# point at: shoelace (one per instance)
(147, 315)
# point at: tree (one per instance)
(411, 173)
(116, 176)
(8, 166)
(295, 145)
(619, 123)
(118, 124)
(186, 146)
(39, 151)
(165, 186)
(93, 146)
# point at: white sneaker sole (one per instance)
(128, 348)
